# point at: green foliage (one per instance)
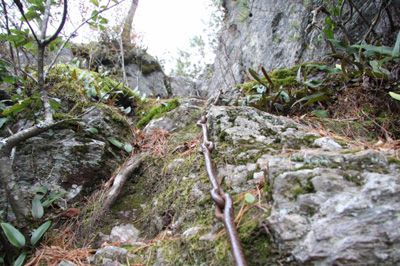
(244, 10)
(14, 236)
(37, 208)
(3, 121)
(394, 95)
(5, 75)
(123, 146)
(320, 113)
(365, 59)
(97, 20)
(17, 37)
(285, 89)
(17, 108)
(20, 260)
(38, 233)
(93, 130)
(73, 84)
(52, 197)
(249, 198)
(157, 111)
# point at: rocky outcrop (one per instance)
(330, 206)
(72, 160)
(318, 200)
(186, 113)
(182, 86)
(143, 71)
(277, 34)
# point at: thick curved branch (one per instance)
(7, 144)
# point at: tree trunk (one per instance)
(48, 115)
(127, 28)
(10, 185)
(7, 177)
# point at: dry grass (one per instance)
(59, 246)
(156, 143)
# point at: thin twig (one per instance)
(20, 69)
(73, 34)
(21, 10)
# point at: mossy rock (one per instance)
(157, 111)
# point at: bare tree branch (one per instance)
(60, 27)
(9, 33)
(45, 21)
(20, 69)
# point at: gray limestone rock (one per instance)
(342, 212)
(328, 144)
(69, 160)
(109, 254)
(278, 34)
(254, 128)
(187, 112)
(184, 87)
(331, 206)
(125, 233)
(152, 84)
(66, 263)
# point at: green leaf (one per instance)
(249, 198)
(20, 260)
(260, 89)
(16, 108)
(95, 2)
(3, 120)
(91, 91)
(37, 208)
(128, 148)
(93, 130)
(55, 104)
(13, 235)
(9, 79)
(74, 75)
(314, 83)
(372, 49)
(115, 142)
(313, 98)
(94, 14)
(254, 74)
(394, 95)
(103, 20)
(244, 10)
(396, 48)
(52, 197)
(320, 113)
(41, 192)
(32, 14)
(329, 28)
(39, 232)
(284, 96)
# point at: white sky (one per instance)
(167, 25)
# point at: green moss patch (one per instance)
(157, 111)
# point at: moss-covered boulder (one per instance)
(76, 156)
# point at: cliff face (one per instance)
(277, 34)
